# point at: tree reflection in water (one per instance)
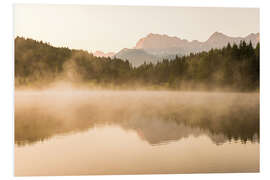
(157, 117)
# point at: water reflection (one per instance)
(156, 117)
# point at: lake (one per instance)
(79, 132)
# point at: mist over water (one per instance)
(158, 119)
(68, 111)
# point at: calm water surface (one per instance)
(135, 132)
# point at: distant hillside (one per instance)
(235, 67)
(102, 54)
(136, 56)
(154, 47)
(39, 63)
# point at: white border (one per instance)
(6, 81)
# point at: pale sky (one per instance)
(111, 28)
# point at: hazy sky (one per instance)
(111, 28)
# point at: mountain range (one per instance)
(155, 47)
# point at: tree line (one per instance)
(234, 67)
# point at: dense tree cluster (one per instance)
(234, 67)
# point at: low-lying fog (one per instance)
(157, 116)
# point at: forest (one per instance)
(232, 68)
